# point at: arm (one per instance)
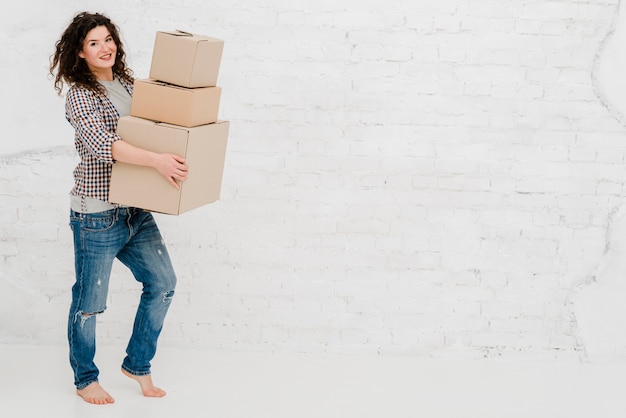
(94, 127)
(96, 130)
(170, 166)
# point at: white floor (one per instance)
(36, 382)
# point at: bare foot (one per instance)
(94, 393)
(147, 387)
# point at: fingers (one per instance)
(178, 170)
(174, 183)
(176, 177)
(179, 163)
(172, 167)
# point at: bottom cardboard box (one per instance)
(204, 150)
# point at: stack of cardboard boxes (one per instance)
(175, 111)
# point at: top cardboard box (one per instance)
(186, 59)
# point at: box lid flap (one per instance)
(177, 32)
(193, 36)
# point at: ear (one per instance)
(81, 54)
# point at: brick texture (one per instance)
(403, 177)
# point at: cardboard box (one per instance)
(204, 149)
(163, 102)
(186, 59)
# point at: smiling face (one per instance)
(99, 52)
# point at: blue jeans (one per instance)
(132, 236)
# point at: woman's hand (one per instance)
(172, 167)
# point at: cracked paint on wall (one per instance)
(599, 302)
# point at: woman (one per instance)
(90, 60)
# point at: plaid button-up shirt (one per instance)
(94, 119)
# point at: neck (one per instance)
(104, 75)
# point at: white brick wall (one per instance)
(407, 177)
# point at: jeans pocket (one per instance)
(98, 222)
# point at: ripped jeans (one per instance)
(132, 236)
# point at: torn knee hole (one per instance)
(84, 316)
(167, 296)
(88, 314)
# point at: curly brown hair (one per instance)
(70, 68)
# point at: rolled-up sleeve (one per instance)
(83, 110)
